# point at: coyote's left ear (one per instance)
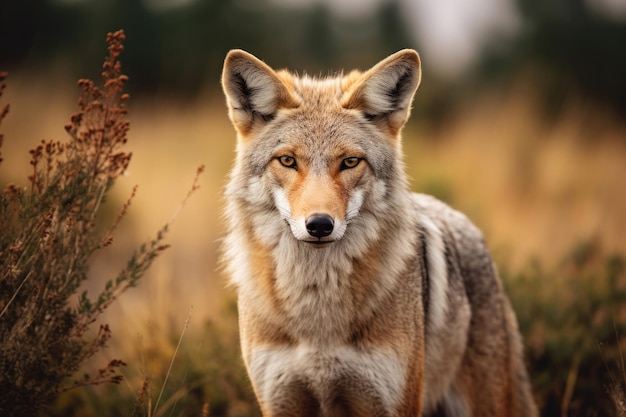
(254, 91)
(384, 93)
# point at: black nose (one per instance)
(319, 225)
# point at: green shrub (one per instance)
(572, 317)
(49, 233)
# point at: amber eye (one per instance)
(349, 163)
(287, 161)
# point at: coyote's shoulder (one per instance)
(356, 297)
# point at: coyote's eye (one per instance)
(287, 161)
(349, 163)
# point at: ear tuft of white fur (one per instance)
(386, 90)
(252, 89)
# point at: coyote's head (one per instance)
(319, 153)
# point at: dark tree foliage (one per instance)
(180, 49)
(569, 48)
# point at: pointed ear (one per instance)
(254, 92)
(385, 92)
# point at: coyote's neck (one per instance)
(318, 292)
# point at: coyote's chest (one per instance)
(339, 376)
(317, 304)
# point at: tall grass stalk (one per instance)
(169, 369)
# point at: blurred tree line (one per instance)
(178, 47)
(569, 48)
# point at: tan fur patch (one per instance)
(264, 332)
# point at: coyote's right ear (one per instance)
(384, 93)
(254, 92)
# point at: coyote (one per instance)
(356, 297)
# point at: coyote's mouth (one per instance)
(319, 242)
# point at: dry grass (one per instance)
(535, 189)
(167, 142)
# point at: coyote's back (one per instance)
(356, 297)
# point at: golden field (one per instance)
(537, 188)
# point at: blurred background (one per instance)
(519, 122)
